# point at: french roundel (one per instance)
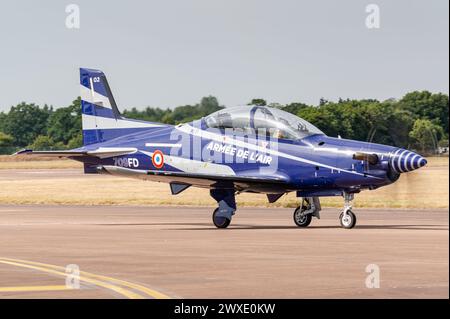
(158, 159)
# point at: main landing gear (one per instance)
(220, 221)
(227, 206)
(304, 213)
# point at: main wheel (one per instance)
(300, 219)
(220, 221)
(347, 220)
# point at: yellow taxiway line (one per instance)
(34, 288)
(137, 292)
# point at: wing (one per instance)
(102, 152)
(239, 183)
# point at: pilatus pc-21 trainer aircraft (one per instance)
(253, 149)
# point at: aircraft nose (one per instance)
(402, 161)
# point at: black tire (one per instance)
(302, 220)
(349, 222)
(219, 221)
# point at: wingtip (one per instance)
(22, 152)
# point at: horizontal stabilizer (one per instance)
(102, 152)
(28, 152)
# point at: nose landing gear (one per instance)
(347, 217)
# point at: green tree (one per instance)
(149, 114)
(208, 105)
(324, 101)
(180, 114)
(65, 123)
(424, 134)
(6, 143)
(25, 122)
(443, 143)
(75, 142)
(184, 113)
(399, 123)
(295, 107)
(45, 143)
(6, 140)
(259, 102)
(321, 118)
(426, 105)
(3, 117)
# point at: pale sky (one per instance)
(170, 53)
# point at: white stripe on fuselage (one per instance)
(193, 166)
(227, 140)
(163, 145)
(91, 122)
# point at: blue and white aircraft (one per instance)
(254, 149)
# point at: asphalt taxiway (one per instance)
(171, 252)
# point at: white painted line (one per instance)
(162, 144)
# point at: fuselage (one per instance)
(316, 165)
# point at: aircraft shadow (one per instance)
(208, 226)
(256, 227)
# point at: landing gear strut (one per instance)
(347, 217)
(227, 206)
(304, 213)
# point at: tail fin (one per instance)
(101, 119)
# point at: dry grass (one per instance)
(53, 164)
(424, 188)
(27, 162)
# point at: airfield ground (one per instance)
(153, 251)
(176, 252)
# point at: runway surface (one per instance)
(158, 252)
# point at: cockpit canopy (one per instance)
(262, 120)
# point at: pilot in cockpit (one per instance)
(277, 133)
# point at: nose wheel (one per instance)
(347, 219)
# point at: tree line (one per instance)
(418, 121)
